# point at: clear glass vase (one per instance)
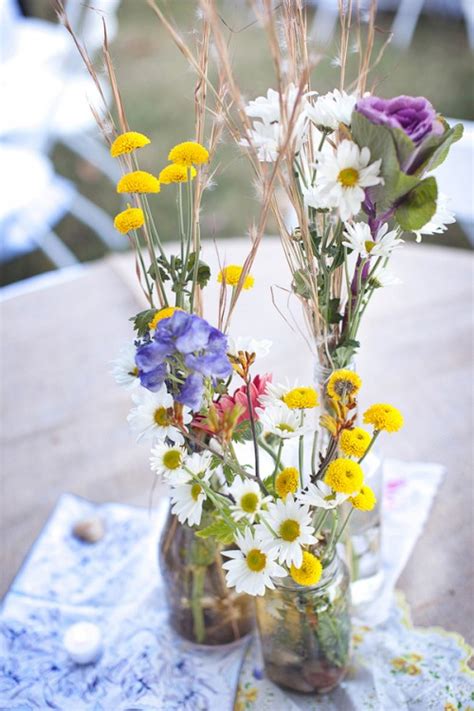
(305, 632)
(202, 609)
(364, 541)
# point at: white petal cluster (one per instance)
(124, 369)
(251, 569)
(287, 527)
(282, 421)
(331, 109)
(443, 217)
(342, 177)
(151, 418)
(321, 496)
(358, 237)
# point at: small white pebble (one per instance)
(83, 642)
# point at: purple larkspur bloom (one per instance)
(191, 391)
(414, 115)
(183, 344)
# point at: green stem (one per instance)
(277, 463)
(254, 430)
(343, 527)
(314, 449)
(267, 448)
(198, 574)
(335, 518)
(376, 434)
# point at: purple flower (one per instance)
(414, 115)
(191, 391)
(153, 379)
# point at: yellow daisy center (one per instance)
(284, 427)
(161, 417)
(287, 481)
(310, 571)
(301, 398)
(289, 530)
(256, 560)
(195, 491)
(134, 372)
(249, 502)
(348, 177)
(172, 459)
(369, 245)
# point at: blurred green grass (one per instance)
(157, 88)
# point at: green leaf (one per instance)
(141, 321)
(203, 272)
(300, 284)
(436, 148)
(419, 206)
(405, 147)
(333, 315)
(243, 431)
(219, 530)
(383, 144)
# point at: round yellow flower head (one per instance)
(130, 219)
(167, 312)
(342, 384)
(301, 398)
(176, 173)
(231, 276)
(344, 476)
(384, 417)
(310, 571)
(189, 153)
(365, 500)
(128, 142)
(139, 181)
(354, 442)
(286, 482)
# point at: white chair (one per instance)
(46, 93)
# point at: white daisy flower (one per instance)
(199, 464)
(438, 224)
(358, 237)
(248, 499)
(152, 418)
(343, 176)
(384, 277)
(169, 462)
(280, 420)
(251, 569)
(265, 137)
(187, 500)
(321, 495)
(292, 527)
(331, 109)
(250, 345)
(124, 368)
(267, 108)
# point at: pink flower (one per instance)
(258, 388)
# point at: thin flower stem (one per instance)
(319, 523)
(376, 434)
(142, 264)
(267, 448)
(277, 463)
(301, 451)
(314, 450)
(332, 535)
(254, 430)
(343, 527)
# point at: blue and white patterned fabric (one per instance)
(115, 584)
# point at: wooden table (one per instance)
(64, 426)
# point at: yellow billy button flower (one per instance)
(354, 443)
(189, 153)
(161, 314)
(301, 398)
(139, 181)
(343, 384)
(365, 499)
(231, 275)
(176, 173)
(384, 417)
(127, 143)
(130, 219)
(286, 482)
(344, 476)
(309, 573)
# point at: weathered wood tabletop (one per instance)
(64, 426)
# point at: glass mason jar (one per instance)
(305, 632)
(364, 541)
(202, 609)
